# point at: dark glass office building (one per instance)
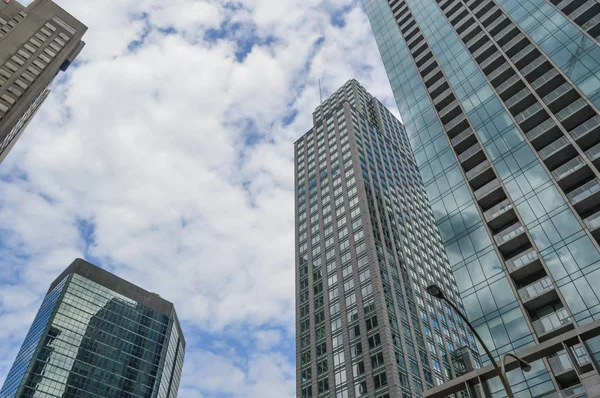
(36, 42)
(97, 335)
(500, 99)
(366, 248)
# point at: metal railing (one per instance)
(560, 362)
(462, 136)
(554, 147)
(474, 172)
(522, 260)
(593, 221)
(585, 128)
(509, 233)
(571, 392)
(541, 129)
(487, 188)
(584, 191)
(551, 322)
(593, 153)
(497, 210)
(535, 289)
(469, 152)
(568, 168)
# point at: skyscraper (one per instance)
(97, 335)
(366, 248)
(500, 100)
(36, 42)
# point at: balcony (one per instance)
(531, 117)
(562, 96)
(561, 366)
(464, 140)
(480, 175)
(450, 111)
(498, 24)
(443, 98)
(520, 101)
(500, 215)
(571, 392)
(491, 63)
(456, 125)
(592, 26)
(594, 155)
(544, 84)
(593, 224)
(525, 56)
(586, 197)
(553, 324)
(506, 34)
(538, 294)
(484, 51)
(511, 238)
(515, 45)
(543, 134)
(584, 12)
(536, 68)
(472, 157)
(587, 133)
(510, 87)
(571, 116)
(438, 88)
(500, 74)
(524, 264)
(557, 152)
(433, 76)
(490, 194)
(572, 173)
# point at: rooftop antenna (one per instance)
(320, 92)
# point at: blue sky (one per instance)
(165, 156)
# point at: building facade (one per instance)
(366, 248)
(97, 335)
(500, 99)
(36, 42)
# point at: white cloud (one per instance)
(176, 153)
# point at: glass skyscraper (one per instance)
(97, 335)
(366, 248)
(500, 99)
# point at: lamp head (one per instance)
(525, 366)
(435, 291)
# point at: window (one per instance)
(377, 360)
(374, 341)
(380, 380)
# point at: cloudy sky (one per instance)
(165, 155)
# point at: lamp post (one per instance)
(436, 292)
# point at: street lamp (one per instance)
(436, 292)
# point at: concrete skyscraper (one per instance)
(97, 335)
(500, 99)
(366, 248)
(36, 42)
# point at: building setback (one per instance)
(36, 42)
(500, 99)
(97, 335)
(366, 248)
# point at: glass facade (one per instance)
(367, 247)
(90, 341)
(500, 101)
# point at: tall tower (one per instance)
(97, 335)
(366, 248)
(500, 99)
(36, 42)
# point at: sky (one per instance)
(165, 155)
